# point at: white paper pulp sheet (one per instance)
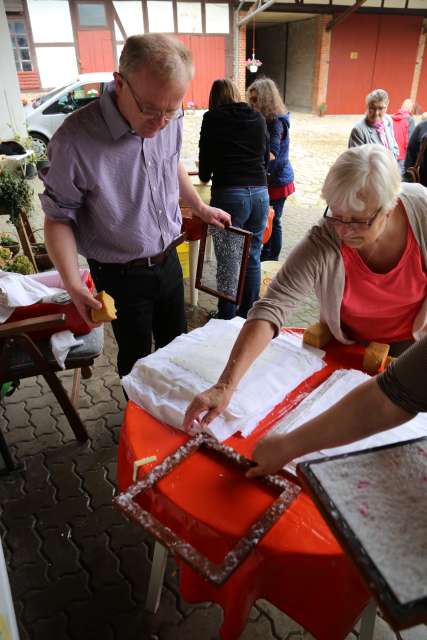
(165, 382)
(327, 394)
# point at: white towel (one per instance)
(61, 343)
(17, 290)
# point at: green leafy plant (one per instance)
(15, 195)
(6, 240)
(322, 108)
(20, 264)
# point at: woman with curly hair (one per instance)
(264, 96)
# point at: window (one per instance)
(217, 18)
(160, 16)
(76, 98)
(92, 15)
(20, 44)
(189, 17)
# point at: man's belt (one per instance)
(160, 257)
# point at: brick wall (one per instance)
(241, 79)
(321, 71)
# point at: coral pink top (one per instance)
(383, 306)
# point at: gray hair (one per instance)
(361, 176)
(163, 54)
(377, 95)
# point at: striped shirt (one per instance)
(118, 191)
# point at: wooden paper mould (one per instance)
(214, 573)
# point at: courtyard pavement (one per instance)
(78, 570)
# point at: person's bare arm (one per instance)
(210, 215)
(363, 412)
(61, 245)
(251, 341)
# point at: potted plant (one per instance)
(16, 195)
(8, 242)
(322, 108)
(252, 64)
(19, 264)
(42, 162)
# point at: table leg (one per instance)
(367, 621)
(160, 556)
(193, 256)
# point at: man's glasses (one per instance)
(351, 224)
(149, 113)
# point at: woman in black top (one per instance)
(234, 152)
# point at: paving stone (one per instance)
(281, 624)
(38, 444)
(63, 512)
(29, 577)
(66, 483)
(43, 421)
(201, 623)
(16, 414)
(88, 524)
(41, 401)
(52, 628)
(55, 598)
(100, 562)
(36, 472)
(62, 555)
(259, 630)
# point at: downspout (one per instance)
(236, 41)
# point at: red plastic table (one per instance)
(298, 566)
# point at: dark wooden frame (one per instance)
(247, 235)
(214, 573)
(400, 616)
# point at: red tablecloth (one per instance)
(299, 567)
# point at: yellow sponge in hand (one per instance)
(375, 357)
(107, 311)
(317, 335)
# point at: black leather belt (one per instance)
(151, 261)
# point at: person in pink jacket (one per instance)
(403, 126)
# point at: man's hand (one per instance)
(84, 302)
(211, 402)
(270, 456)
(212, 215)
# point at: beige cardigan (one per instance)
(316, 263)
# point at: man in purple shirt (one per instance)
(111, 194)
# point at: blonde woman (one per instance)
(264, 96)
(366, 261)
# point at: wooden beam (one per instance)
(343, 16)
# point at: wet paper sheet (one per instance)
(165, 382)
(327, 394)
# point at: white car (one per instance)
(50, 110)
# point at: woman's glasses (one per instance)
(351, 224)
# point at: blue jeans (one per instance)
(248, 207)
(271, 250)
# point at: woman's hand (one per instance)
(270, 455)
(211, 403)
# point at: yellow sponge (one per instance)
(317, 335)
(375, 357)
(107, 311)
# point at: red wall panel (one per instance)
(386, 48)
(396, 56)
(209, 61)
(422, 87)
(96, 50)
(351, 79)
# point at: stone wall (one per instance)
(301, 64)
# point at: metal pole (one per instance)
(246, 19)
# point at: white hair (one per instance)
(361, 176)
(378, 95)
